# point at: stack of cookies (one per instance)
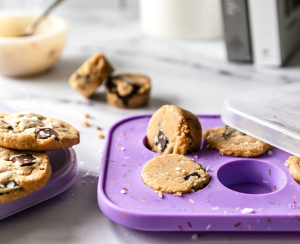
(122, 91)
(25, 139)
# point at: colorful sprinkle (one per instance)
(125, 189)
(190, 201)
(215, 208)
(180, 227)
(123, 165)
(123, 215)
(208, 227)
(271, 202)
(113, 182)
(291, 184)
(270, 172)
(124, 175)
(294, 196)
(249, 227)
(247, 210)
(238, 224)
(297, 217)
(190, 225)
(237, 208)
(142, 200)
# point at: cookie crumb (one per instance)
(123, 191)
(159, 193)
(270, 153)
(179, 194)
(85, 124)
(86, 115)
(98, 128)
(100, 135)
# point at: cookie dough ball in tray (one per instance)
(91, 74)
(128, 90)
(174, 174)
(294, 167)
(174, 130)
(235, 143)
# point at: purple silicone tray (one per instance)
(262, 183)
(64, 174)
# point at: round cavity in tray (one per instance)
(252, 176)
(145, 142)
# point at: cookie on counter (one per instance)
(174, 174)
(30, 131)
(174, 130)
(235, 143)
(128, 90)
(22, 173)
(91, 74)
(294, 167)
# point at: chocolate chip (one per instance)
(162, 140)
(228, 132)
(112, 87)
(7, 126)
(85, 77)
(46, 133)
(24, 160)
(192, 174)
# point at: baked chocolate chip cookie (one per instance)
(174, 174)
(128, 90)
(294, 167)
(91, 74)
(174, 130)
(30, 131)
(235, 143)
(22, 173)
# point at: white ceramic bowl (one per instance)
(26, 56)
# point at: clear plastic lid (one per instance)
(271, 115)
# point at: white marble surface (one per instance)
(192, 74)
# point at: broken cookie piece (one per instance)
(174, 130)
(91, 74)
(232, 142)
(174, 174)
(128, 90)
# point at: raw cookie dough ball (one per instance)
(174, 174)
(174, 130)
(294, 166)
(128, 90)
(235, 143)
(91, 74)
(22, 173)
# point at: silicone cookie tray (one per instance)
(64, 174)
(244, 194)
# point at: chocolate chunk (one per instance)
(229, 131)
(112, 87)
(192, 174)
(85, 77)
(24, 160)
(46, 133)
(7, 126)
(162, 140)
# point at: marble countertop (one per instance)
(194, 75)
